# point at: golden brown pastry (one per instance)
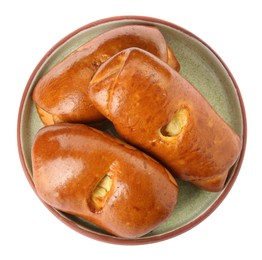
(90, 174)
(61, 94)
(155, 108)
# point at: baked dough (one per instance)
(61, 94)
(87, 173)
(153, 107)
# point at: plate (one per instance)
(202, 67)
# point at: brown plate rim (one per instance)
(116, 240)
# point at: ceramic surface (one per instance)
(202, 67)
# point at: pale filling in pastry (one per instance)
(176, 124)
(100, 192)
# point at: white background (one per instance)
(29, 29)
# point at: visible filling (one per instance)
(100, 192)
(178, 121)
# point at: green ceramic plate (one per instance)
(202, 67)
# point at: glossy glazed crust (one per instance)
(140, 94)
(61, 94)
(69, 160)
